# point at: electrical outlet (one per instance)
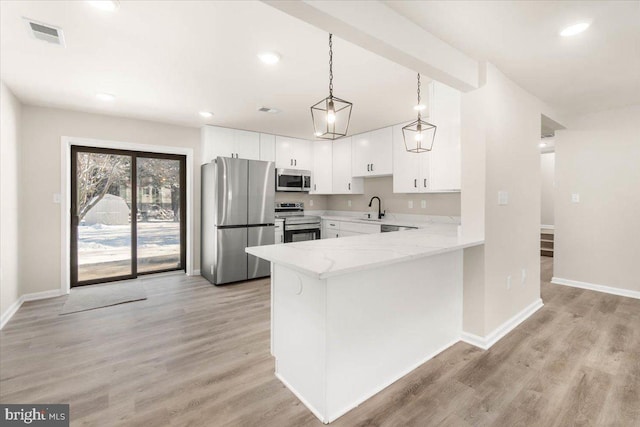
(524, 276)
(57, 198)
(349, 203)
(410, 204)
(508, 282)
(423, 204)
(575, 197)
(503, 198)
(311, 202)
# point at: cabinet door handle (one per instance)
(371, 167)
(282, 238)
(295, 162)
(333, 225)
(314, 187)
(415, 183)
(425, 183)
(368, 168)
(290, 162)
(349, 186)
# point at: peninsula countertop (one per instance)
(326, 258)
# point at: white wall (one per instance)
(505, 120)
(598, 239)
(547, 172)
(42, 129)
(10, 115)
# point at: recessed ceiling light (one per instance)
(542, 144)
(419, 107)
(269, 58)
(108, 5)
(206, 114)
(574, 29)
(105, 97)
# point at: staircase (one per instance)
(546, 242)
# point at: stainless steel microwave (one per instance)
(293, 180)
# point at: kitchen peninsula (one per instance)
(350, 316)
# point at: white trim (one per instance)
(598, 288)
(332, 417)
(547, 227)
(13, 308)
(486, 342)
(65, 185)
(302, 399)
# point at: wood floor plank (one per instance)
(193, 354)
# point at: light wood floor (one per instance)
(197, 355)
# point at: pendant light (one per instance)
(331, 116)
(419, 135)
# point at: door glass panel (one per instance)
(158, 196)
(103, 207)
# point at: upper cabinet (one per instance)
(267, 147)
(322, 176)
(372, 153)
(438, 170)
(218, 141)
(343, 181)
(293, 153)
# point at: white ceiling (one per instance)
(596, 70)
(168, 60)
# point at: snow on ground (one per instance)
(101, 243)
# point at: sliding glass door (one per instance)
(127, 214)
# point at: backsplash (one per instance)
(447, 204)
(436, 203)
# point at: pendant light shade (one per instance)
(419, 135)
(331, 115)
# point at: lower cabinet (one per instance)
(279, 232)
(332, 229)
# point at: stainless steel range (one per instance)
(297, 226)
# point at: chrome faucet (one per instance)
(380, 214)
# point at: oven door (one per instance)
(288, 180)
(301, 232)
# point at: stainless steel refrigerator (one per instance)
(237, 212)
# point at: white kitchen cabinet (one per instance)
(218, 141)
(322, 177)
(267, 147)
(279, 231)
(372, 153)
(445, 158)
(438, 170)
(343, 181)
(293, 153)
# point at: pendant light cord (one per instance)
(419, 115)
(330, 66)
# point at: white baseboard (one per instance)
(13, 308)
(598, 288)
(329, 418)
(195, 273)
(486, 342)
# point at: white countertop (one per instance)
(331, 257)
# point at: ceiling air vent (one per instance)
(268, 110)
(45, 32)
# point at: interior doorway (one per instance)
(128, 214)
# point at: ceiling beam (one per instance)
(377, 28)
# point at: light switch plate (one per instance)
(410, 204)
(57, 198)
(503, 198)
(423, 204)
(311, 202)
(349, 203)
(575, 197)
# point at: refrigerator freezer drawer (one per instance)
(259, 236)
(231, 259)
